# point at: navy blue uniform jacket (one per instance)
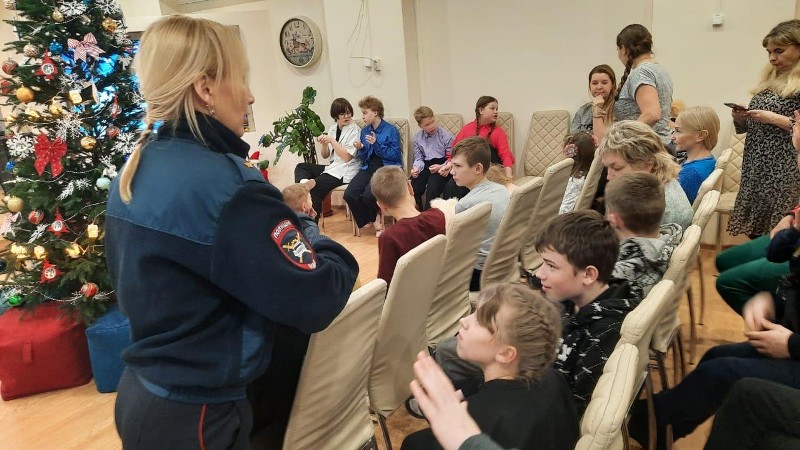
(206, 259)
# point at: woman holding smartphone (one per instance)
(770, 183)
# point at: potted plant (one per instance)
(297, 131)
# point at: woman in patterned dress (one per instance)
(770, 183)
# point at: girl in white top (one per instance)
(579, 146)
(338, 144)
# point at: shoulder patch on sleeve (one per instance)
(294, 246)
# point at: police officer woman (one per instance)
(206, 259)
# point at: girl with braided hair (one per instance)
(523, 403)
(645, 90)
(485, 126)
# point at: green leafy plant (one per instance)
(297, 131)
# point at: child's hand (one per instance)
(414, 172)
(445, 169)
(311, 212)
(434, 168)
(358, 145)
(371, 138)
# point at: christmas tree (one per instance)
(72, 116)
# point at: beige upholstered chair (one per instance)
(705, 209)
(501, 264)
(401, 331)
(679, 270)
(731, 178)
(543, 144)
(452, 122)
(603, 422)
(330, 408)
(555, 183)
(589, 188)
(724, 159)
(505, 120)
(713, 182)
(408, 152)
(451, 297)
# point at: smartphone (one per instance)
(735, 107)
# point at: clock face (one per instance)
(299, 42)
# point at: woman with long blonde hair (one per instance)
(632, 146)
(207, 261)
(770, 178)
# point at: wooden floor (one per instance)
(82, 419)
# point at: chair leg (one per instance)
(662, 370)
(692, 325)
(702, 289)
(626, 439)
(385, 431)
(679, 343)
(719, 231)
(651, 417)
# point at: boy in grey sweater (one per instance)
(471, 159)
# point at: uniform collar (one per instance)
(218, 137)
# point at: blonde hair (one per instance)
(785, 84)
(423, 112)
(638, 144)
(295, 195)
(389, 185)
(700, 119)
(533, 325)
(175, 52)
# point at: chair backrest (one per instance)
(601, 426)
(501, 263)
(724, 159)
(451, 298)
(452, 122)
(640, 324)
(406, 146)
(543, 146)
(733, 170)
(706, 208)
(555, 183)
(330, 408)
(589, 188)
(401, 332)
(680, 266)
(714, 181)
(505, 120)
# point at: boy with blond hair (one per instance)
(395, 198)
(431, 145)
(635, 206)
(298, 197)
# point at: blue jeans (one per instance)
(702, 392)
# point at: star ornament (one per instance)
(50, 273)
(58, 227)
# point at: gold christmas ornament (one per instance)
(109, 24)
(55, 108)
(31, 51)
(92, 231)
(74, 250)
(39, 252)
(86, 20)
(88, 142)
(33, 114)
(9, 120)
(15, 204)
(75, 96)
(58, 16)
(25, 94)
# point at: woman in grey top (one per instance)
(645, 90)
(595, 116)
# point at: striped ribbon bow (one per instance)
(88, 46)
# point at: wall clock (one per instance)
(300, 41)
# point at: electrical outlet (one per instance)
(377, 65)
(716, 20)
(367, 62)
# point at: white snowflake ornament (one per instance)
(109, 7)
(72, 8)
(20, 146)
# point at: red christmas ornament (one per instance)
(112, 132)
(58, 227)
(49, 153)
(48, 69)
(89, 290)
(35, 217)
(50, 273)
(6, 87)
(9, 66)
(115, 108)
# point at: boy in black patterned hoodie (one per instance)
(635, 206)
(579, 250)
